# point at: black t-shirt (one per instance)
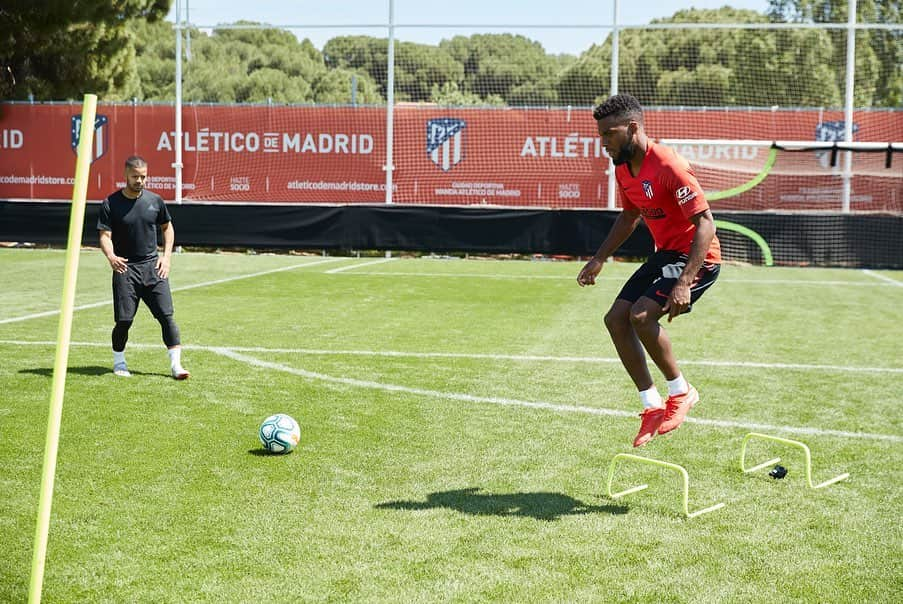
(133, 223)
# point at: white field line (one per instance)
(883, 277)
(455, 396)
(490, 357)
(354, 266)
(259, 274)
(557, 359)
(527, 277)
(50, 313)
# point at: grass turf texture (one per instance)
(417, 494)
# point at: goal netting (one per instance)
(493, 117)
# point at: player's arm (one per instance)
(118, 263)
(624, 225)
(702, 239)
(169, 239)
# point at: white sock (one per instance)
(175, 357)
(678, 385)
(119, 357)
(651, 399)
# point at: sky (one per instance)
(502, 14)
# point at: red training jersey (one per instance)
(666, 194)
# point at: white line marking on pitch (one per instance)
(561, 359)
(535, 404)
(258, 274)
(882, 277)
(490, 357)
(528, 276)
(354, 266)
(50, 313)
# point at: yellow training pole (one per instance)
(64, 332)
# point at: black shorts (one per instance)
(657, 276)
(140, 282)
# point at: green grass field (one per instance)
(458, 419)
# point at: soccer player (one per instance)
(128, 238)
(658, 186)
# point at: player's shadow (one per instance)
(542, 506)
(91, 370)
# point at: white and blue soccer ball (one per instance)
(279, 433)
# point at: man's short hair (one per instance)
(619, 106)
(135, 161)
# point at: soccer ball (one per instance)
(279, 433)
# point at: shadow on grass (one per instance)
(92, 370)
(542, 506)
(261, 452)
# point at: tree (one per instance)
(418, 67)
(251, 66)
(155, 55)
(707, 84)
(685, 66)
(56, 50)
(710, 67)
(450, 95)
(334, 86)
(588, 80)
(878, 79)
(512, 67)
(243, 65)
(787, 68)
(271, 85)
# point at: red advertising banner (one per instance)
(508, 157)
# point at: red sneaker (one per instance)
(676, 409)
(651, 420)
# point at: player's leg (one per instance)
(158, 298)
(627, 344)
(125, 305)
(645, 316)
(630, 349)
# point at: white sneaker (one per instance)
(179, 373)
(121, 370)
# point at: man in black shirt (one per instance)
(128, 223)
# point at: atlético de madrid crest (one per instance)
(101, 135)
(445, 142)
(647, 189)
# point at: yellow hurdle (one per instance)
(792, 443)
(661, 464)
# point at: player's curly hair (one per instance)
(620, 106)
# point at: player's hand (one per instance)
(163, 266)
(678, 301)
(588, 273)
(118, 263)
